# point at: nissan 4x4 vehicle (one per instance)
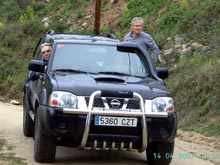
(98, 93)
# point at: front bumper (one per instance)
(77, 128)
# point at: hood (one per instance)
(85, 84)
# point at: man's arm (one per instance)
(155, 51)
(151, 44)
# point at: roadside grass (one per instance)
(194, 84)
(7, 157)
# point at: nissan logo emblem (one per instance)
(115, 103)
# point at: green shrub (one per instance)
(119, 35)
(10, 11)
(79, 14)
(29, 15)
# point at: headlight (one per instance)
(63, 99)
(163, 104)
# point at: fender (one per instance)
(43, 99)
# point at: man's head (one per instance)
(136, 25)
(46, 49)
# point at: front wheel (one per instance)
(160, 153)
(44, 146)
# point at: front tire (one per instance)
(44, 146)
(159, 153)
(28, 123)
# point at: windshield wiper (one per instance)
(71, 71)
(115, 73)
(121, 74)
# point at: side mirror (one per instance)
(162, 72)
(36, 65)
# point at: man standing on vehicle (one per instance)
(145, 40)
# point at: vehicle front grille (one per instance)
(108, 103)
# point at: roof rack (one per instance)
(51, 32)
(109, 35)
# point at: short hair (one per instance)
(45, 44)
(137, 19)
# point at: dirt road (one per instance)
(185, 152)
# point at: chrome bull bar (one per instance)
(90, 112)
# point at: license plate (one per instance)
(115, 121)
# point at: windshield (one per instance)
(97, 59)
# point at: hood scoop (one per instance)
(109, 79)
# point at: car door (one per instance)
(35, 84)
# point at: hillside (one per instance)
(187, 32)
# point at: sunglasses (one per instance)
(47, 51)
